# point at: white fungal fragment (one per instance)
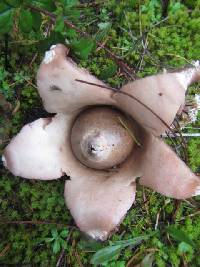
(52, 47)
(164, 71)
(197, 192)
(97, 234)
(185, 77)
(49, 55)
(4, 161)
(193, 113)
(196, 63)
(197, 99)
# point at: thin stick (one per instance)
(58, 264)
(183, 134)
(190, 215)
(60, 258)
(157, 219)
(129, 95)
(38, 223)
(123, 66)
(183, 142)
(78, 259)
(172, 140)
(5, 250)
(123, 123)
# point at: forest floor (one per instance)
(149, 37)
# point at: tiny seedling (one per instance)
(57, 240)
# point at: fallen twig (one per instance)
(190, 215)
(78, 259)
(183, 134)
(182, 140)
(58, 264)
(5, 250)
(123, 66)
(60, 258)
(131, 96)
(38, 223)
(177, 203)
(157, 219)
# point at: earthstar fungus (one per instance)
(103, 140)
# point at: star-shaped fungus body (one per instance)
(103, 139)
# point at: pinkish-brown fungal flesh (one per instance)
(163, 171)
(42, 150)
(58, 88)
(98, 138)
(164, 94)
(98, 206)
(99, 199)
(36, 152)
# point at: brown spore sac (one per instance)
(98, 138)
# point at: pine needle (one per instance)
(124, 124)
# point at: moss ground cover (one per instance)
(149, 37)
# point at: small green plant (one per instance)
(57, 240)
(179, 235)
(114, 249)
(4, 84)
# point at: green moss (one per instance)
(171, 43)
